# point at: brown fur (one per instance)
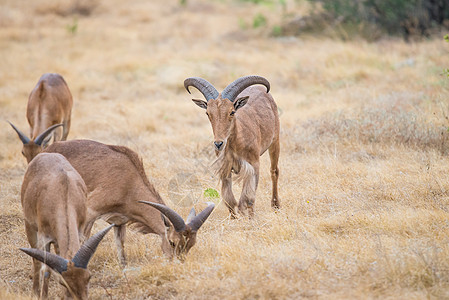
(247, 130)
(116, 180)
(50, 103)
(54, 207)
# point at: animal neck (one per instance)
(68, 239)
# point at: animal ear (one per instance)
(191, 215)
(198, 220)
(46, 141)
(166, 221)
(41, 90)
(45, 136)
(200, 103)
(240, 102)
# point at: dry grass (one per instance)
(364, 181)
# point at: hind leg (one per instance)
(274, 151)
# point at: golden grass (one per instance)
(364, 182)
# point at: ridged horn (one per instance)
(87, 250)
(25, 140)
(199, 220)
(236, 87)
(204, 86)
(41, 137)
(54, 261)
(175, 219)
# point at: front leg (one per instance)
(228, 196)
(44, 273)
(120, 234)
(32, 239)
(250, 177)
(274, 157)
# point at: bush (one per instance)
(407, 17)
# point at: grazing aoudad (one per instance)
(116, 182)
(54, 207)
(49, 111)
(245, 124)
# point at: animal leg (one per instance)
(250, 182)
(57, 134)
(65, 130)
(120, 233)
(44, 274)
(228, 196)
(32, 239)
(88, 229)
(274, 158)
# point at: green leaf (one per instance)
(211, 193)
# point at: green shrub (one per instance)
(409, 17)
(259, 20)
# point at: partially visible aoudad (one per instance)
(54, 207)
(49, 111)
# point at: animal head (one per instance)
(74, 274)
(221, 108)
(31, 148)
(181, 236)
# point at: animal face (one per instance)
(30, 150)
(221, 114)
(181, 242)
(181, 236)
(76, 280)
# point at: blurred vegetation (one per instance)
(446, 38)
(370, 19)
(407, 17)
(259, 20)
(73, 28)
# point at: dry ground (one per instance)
(364, 181)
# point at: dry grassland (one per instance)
(364, 149)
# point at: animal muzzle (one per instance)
(218, 145)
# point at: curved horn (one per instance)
(196, 223)
(54, 261)
(204, 86)
(173, 216)
(236, 87)
(25, 140)
(43, 135)
(87, 250)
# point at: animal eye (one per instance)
(207, 114)
(172, 244)
(232, 113)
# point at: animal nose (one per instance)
(218, 144)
